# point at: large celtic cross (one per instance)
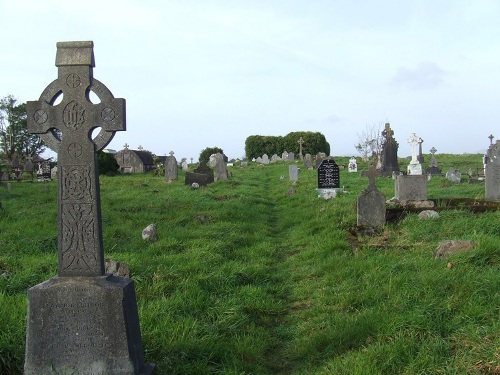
(67, 127)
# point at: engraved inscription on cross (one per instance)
(67, 128)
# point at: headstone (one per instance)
(293, 172)
(82, 321)
(308, 164)
(353, 165)
(171, 168)
(220, 168)
(275, 158)
(328, 177)
(420, 156)
(202, 175)
(371, 204)
(300, 142)
(43, 173)
(259, 160)
(411, 188)
(291, 156)
(265, 159)
(414, 168)
(492, 173)
(319, 160)
(433, 169)
(454, 175)
(211, 161)
(184, 165)
(390, 147)
(244, 164)
(284, 156)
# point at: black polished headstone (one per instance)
(328, 175)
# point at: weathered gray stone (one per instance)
(428, 214)
(371, 205)
(171, 168)
(492, 173)
(150, 233)
(293, 172)
(449, 247)
(117, 268)
(411, 188)
(80, 322)
(220, 168)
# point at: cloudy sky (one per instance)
(208, 73)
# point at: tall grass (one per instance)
(250, 278)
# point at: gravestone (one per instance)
(184, 165)
(220, 168)
(275, 158)
(82, 321)
(171, 168)
(43, 173)
(328, 177)
(433, 169)
(202, 175)
(308, 164)
(390, 147)
(284, 156)
(259, 160)
(293, 172)
(414, 168)
(371, 204)
(265, 159)
(300, 142)
(454, 175)
(291, 156)
(353, 165)
(319, 160)
(411, 188)
(492, 173)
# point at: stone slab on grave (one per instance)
(202, 175)
(82, 321)
(411, 188)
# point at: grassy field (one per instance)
(250, 278)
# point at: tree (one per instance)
(107, 163)
(14, 135)
(370, 141)
(207, 152)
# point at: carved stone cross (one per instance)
(67, 128)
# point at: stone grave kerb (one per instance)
(66, 128)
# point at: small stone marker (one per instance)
(171, 168)
(293, 172)
(492, 173)
(454, 175)
(433, 169)
(82, 321)
(371, 204)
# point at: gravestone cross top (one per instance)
(67, 128)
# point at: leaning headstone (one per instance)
(353, 165)
(371, 205)
(220, 168)
(411, 188)
(171, 168)
(389, 162)
(454, 175)
(492, 173)
(328, 178)
(82, 321)
(265, 159)
(414, 168)
(293, 172)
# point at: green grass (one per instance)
(247, 279)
